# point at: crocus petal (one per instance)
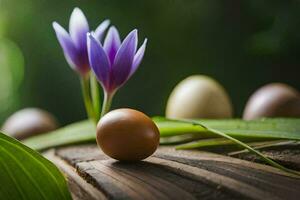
(67, 45)
(112, 43)
(124, 59)
(138, 57)
(99, 32)
(98, 60)
(78, 29)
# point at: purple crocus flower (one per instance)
(74, 43)
(114, 62)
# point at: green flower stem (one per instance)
(86, 98)
(106, 103)
(95, 96)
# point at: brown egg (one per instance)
(273, 100)
(28, 122)
(127, 135)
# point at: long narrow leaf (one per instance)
(178, 139)
(215, 142)
(221, 134)
(211, 142)
(267, 144)
(80, 132)
(268, 129)
(264, 129)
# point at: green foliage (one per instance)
(11, 75)
(238, 142)
(80, 132)
(177, 132)
(276, 128)
(25, 174)
(210, 142)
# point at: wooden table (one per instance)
(170, 174)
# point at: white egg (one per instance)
(199, 96)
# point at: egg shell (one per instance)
(127, 135)
(29, 122)
(273, 100)
(199, 96)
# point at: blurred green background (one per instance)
(242, 44)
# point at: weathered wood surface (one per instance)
(287, 155)
(170, 174)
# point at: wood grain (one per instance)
(287, 155)
(170, 174)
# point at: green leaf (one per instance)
(265, 129)
(80, 132)
(179, 139)
(11, 76)
(215, 142)
(211, 142)
(229, 129)
(256, 129)
(267, 144)
(242, 144)
(25, 174)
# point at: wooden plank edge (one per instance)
(213, 178)
(195, 155)
(154, 187)
(78, 187)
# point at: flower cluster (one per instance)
(113, 62)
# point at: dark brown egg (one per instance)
(28, 122)
(127, 135)
(273, 100)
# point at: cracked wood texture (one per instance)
(170, 174)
